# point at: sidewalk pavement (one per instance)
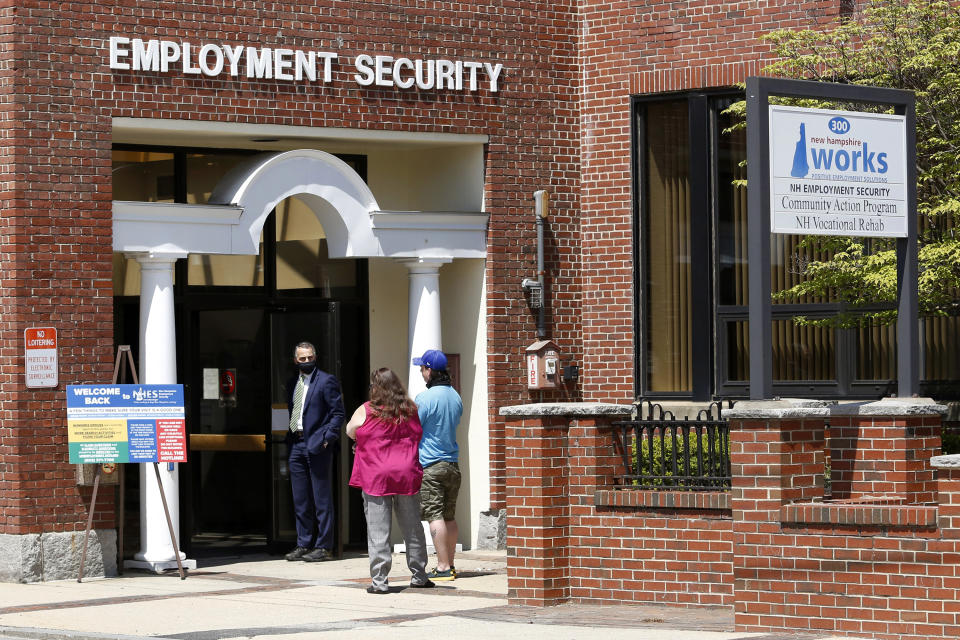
(265, 597)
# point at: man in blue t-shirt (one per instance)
(440, 409)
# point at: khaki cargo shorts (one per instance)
(438, 493)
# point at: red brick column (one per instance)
(537, 509)
(776, 458)
(555, 458)
(868, 569)
(883, 456)
(948, 497)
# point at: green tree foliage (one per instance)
(903, 44)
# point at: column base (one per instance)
(159, 566)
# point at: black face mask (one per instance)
(307, 367)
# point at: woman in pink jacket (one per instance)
(387, 469)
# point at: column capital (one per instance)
(424, 265)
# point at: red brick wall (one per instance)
(649, 47)
(55, 255)
(772, 549)
(571, 538)
(879, 568)
(56, 191)
(881, 456)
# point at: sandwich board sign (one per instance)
(118, 423)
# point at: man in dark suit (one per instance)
(316, 417)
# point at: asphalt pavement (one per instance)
(265, 597)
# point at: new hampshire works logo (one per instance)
(858, 159)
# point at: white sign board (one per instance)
(837, 173)
(211, 383)
(40, 357)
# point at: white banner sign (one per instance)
(837, 173)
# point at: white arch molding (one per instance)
(338, 197)
(355, 226)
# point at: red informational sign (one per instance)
(171, 441)
(228, 382)
(40, 357)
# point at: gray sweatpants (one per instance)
(377, 510)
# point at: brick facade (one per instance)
(632, 48)
(55, 221)
(572, 539)
(774, 549)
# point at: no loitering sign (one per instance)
(40, 357)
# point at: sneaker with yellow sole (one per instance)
(443, 576)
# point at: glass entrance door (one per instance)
(239, 367)
(229, 374)
(320, 327)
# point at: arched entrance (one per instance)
(245, 238)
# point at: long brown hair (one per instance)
(388, 397)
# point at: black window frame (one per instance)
(708, 338)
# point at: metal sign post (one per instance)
(759, 91)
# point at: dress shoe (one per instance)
(317, 555)
(429, 584)
(297, 554)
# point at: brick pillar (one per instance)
(877, 454)
(947, 470)
(537, 509)
(557, 456)
(776, 458)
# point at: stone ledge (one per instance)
(860, 514)
(946, 462)
(567, 409)
(799, 408)
(638, 498)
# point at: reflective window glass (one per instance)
(302, 259)
(667, 239)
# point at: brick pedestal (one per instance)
(883, 566)
(884, 457)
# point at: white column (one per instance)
(158, 365)
(423, 326)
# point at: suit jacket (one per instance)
(323, 412)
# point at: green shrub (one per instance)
(662, 458)
(951, 441)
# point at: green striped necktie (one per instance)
(297, 405)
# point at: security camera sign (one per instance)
(126, 423)
(839, 173)
(40, 357)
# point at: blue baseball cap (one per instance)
(433, 359)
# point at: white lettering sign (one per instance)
(294, 65)
(837, 173)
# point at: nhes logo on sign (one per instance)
(837, 173)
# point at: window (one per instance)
(692, 276)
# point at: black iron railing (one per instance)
(662, 452)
